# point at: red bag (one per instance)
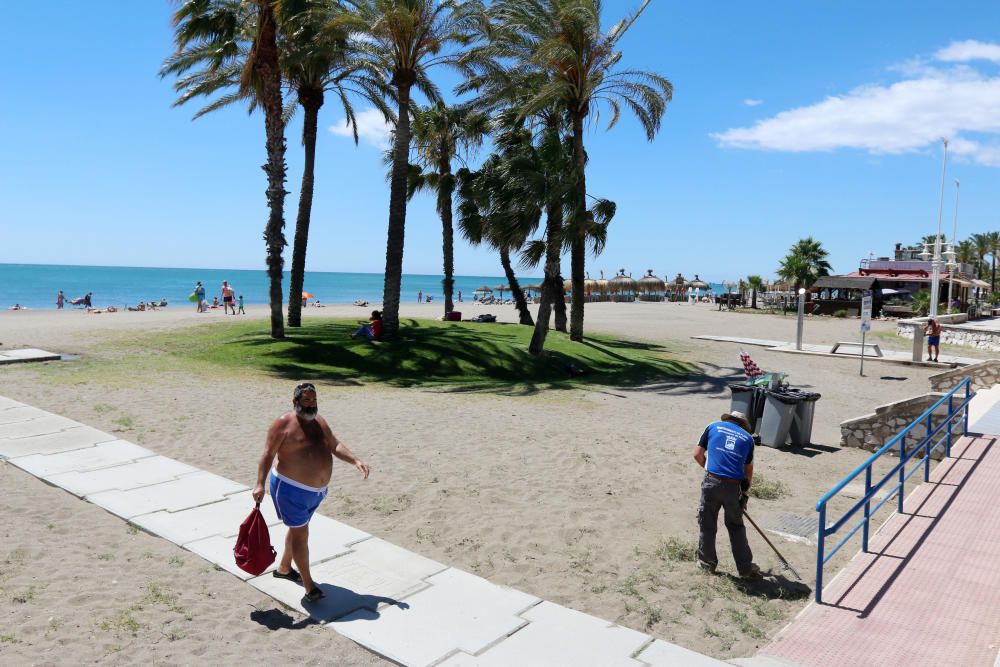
(253, 549)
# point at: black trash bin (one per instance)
(800, 432)
(779, 412)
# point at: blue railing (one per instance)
(899, 471)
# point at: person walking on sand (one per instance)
(726, 453)
(420, 296)
(60, 299)
(933, 333)
(242, 312)
(227, 297)
(304, 446)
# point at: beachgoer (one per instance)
(16, 306)
(88, 300)
(933, 333)
(460, 296)
(215, 302)
(60, 299)
(372, 330)
(199, 297)
(227, 297)
(240, 302)
(304, 446)
(420, 296)
(725, 451)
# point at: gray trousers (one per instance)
(715, 494)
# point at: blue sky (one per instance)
(789, 119)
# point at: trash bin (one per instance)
(800, 432)
(749, 400)
(779, 411)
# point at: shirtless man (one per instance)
(304, 444)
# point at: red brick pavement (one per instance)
(928, 592)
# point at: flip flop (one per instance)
(314, 595)
(291, 575)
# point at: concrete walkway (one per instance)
(928, 591)
(853, 351)
(403, 606)
(26, 354)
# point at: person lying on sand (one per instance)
(98, 311)
(18, 306)
(305, 447)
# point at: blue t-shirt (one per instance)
(729, 449)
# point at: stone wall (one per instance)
(954, 334)
(873, 431)
(984, 375)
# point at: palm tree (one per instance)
(805, 263)
(234, 45)
(993, 240)
(317, 60)
(490, 212)
(983, 248)
(965, 252)
(441, 134)
(563, 40)
(755, 283)
(400, 40)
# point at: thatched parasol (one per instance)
(650, 284)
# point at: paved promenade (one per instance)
(928, 593)
(405, 607)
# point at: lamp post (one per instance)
(802, 312)
(952, 265)
(935, 277)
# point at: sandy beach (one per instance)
(579, 496)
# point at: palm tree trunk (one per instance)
(993, 278)
(552, 289)
(753, 299)
(268, 71)
(311, 101)
(397, 217)
(578, 247)
(445, 187)
(515, 289)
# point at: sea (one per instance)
(36, 285)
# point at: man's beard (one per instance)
(308, 414)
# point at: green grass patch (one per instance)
(673, 549)
(766, 489)
(447, 355)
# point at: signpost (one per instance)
(866, 325)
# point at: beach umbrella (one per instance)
(501, 289)
(307, 295)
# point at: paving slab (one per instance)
(665, 654)
(103, 455)
(374, 573)
(222, 518)
(78, 437)
(458, 612)
(27, 354)
(8, 403)
(144, 472)
(22, 413)
(43, 425)
(199, 488)
(556, 635)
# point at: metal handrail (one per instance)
(899, 470)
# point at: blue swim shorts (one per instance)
(934, 340)
(294, 502)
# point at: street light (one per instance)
(954, 241)
(935, 277)
(802, 312)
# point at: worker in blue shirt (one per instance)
(725, 451)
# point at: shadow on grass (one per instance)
(448, 356)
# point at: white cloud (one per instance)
(902, 117)
(753, 103)
(960, 52)
(372, 128)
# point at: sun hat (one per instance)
(738, 417)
